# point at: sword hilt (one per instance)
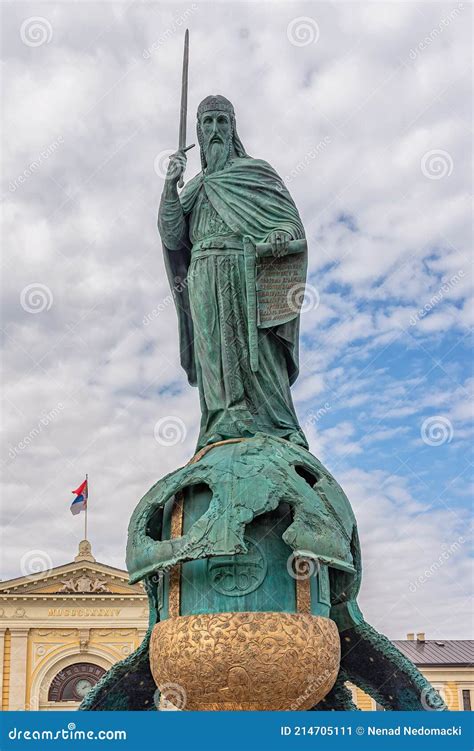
(181, 179)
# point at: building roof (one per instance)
(83, 578)
(440, 653)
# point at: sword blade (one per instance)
(184, 93)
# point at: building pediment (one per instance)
(82, 577)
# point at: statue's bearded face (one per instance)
(216, 129)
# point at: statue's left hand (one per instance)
(279, 239)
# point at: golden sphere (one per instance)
(245, 661)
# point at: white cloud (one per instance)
(413, 557)
(360, 114)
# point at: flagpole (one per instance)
(87, 505)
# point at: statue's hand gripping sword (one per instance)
(184, 103)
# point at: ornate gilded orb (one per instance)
(245, 661)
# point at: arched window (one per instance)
(74, 682)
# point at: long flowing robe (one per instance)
(245, 199)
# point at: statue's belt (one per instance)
(218, 245)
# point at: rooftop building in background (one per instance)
(447, 665)
(62, 629)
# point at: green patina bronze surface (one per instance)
(247, 479)
(236, 255)
(238, 311)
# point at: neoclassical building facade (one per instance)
(60, 631)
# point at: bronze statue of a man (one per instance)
(238, 312)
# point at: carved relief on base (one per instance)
(245, 661)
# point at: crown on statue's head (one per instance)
(215, 103)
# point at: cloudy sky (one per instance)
(364, 110)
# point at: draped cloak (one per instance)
(252, 200)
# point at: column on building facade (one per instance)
(19, 653)
(2, 663)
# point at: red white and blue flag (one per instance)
(80, 501)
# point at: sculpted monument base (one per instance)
(251, 561)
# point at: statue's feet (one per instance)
(214, 438)
(298, 439)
